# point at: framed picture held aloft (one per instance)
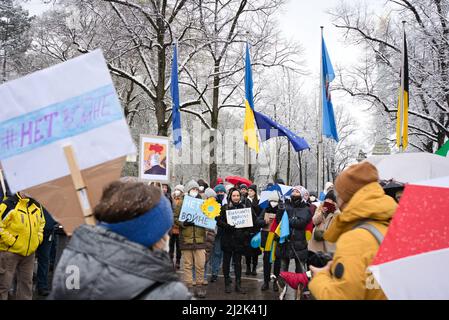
(154, 158)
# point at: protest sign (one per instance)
(191, 211)
(71, 103)
(59, 122)
(154, 158)
(240, 218)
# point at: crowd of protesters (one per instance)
(139, 245)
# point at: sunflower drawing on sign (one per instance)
(155, 158)
(211, 208)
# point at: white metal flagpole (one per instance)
(320, 122)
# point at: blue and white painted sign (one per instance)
(71, 103)
(191, 211)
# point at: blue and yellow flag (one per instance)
(283, 228)
(249, 125)
(402, 114)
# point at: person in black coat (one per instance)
(234, 242)
(252, 256)
(266, 219)
(295, 246)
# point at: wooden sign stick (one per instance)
(2, 181)
(80, 186)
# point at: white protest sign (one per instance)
(191, 211)
(240, 218)
(74, 103)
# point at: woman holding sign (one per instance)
(235, 240)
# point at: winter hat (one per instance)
(253, 187)
(328, 186)
(210, 193)
(273, 196)
(179, 187)
(220, 188)
(135, 211)
(354, 178)
(192, 184)
(243, 186)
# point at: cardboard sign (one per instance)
(191, 210)
(60, 199)
(240, 218)
(73, 103)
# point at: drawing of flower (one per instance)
(211, 208)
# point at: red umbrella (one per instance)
(412, 260)
(238, 180)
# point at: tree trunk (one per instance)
(213, 168)
(159, 104)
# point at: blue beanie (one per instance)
(220, 188)
(148, 228)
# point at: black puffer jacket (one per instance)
(299, 216)
(233, 239)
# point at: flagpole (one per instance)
(320, 122)
(401, 103)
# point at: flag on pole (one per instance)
(402, 114)
(174, 89)
(328, 75)
(271, 129)
(444, 150)
(249, 126)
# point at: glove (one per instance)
(229, 227)
(188, 223)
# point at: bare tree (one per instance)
(376, 80)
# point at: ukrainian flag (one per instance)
(249, 125)
(283, 228)
(402, 115)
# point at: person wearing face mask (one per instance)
(252, 255)
(125, 255)
(234, 241)
(266, 219)
(178, 197)
(295, 246)
(322, 219)
(217, 253)
(193, 247)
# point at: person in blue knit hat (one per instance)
(125, 256)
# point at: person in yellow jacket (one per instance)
(21, 232)
(362, 201)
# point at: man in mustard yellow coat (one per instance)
(361, 200)
(21, 232)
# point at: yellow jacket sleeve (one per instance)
(346, 279)
(40, 234)
(5, 236)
